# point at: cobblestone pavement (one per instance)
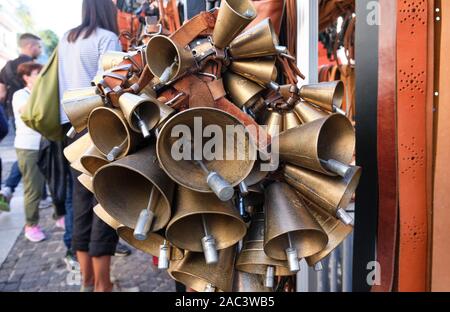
(39, 267)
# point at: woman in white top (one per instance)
(27, 147)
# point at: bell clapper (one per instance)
(142, 125)
(146, 217)
(274, 86)
(163, 259)
(344, 216)
(210, 288)
(339, 111)
(337, 167)
(112, 155)
(270, 276)
(292, 256)
(217, 183)
(242, 208)
(209, 245)
(243, 188)
(167, 73)
(318, 266)
(71, 133)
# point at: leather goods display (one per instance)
(178, 157)
(412, 27)
(387, 149)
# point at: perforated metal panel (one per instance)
(412, 25)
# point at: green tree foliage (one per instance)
(49, 39)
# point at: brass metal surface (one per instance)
(147, 109)
(332, 137)
(330, 193)
(286, 214)
(260, 70)
(274, 122)
(307, 113)
(189, 174)
(326, 95)
(233, 17)
(185, 228)
(260, 40)
(92, 160)
(123, 188)
(76, 150)
(243, 92)
(245, 282)
(112, 59)
(86, 181)
(78, 110)
(290, 120)
(105, 217)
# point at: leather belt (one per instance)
(412, 23)
(387, 149)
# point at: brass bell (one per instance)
(274, 122)
(290, 121)
(291, 232)
(185, 159)
(74, 94)
(256, 175)
(86, 181)
(165, 111)
(211, 227)
(92, 160)
(76, 150)
(307, 113)
(314, 144)
(260, 70)
(260, 40)
(124, 190)
(326, 95)
(243, 92)
(112, 59)
(105, 217)
(254, 260)
(78, 108)
(167, 60)
(336, 230)
(155, 245)
(111, 134)
(331, 193)
(195, 274)
(233, 17)
(245, 282)
(141, 113)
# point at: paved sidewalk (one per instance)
(39, 267)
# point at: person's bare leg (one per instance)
(102, 273)
(86, 268)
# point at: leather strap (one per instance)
(387, 149)
(201, 24)
(412, 23)
(441, 213)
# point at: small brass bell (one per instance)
(263, 71)
(307, 113)
(243, 92)
(326, 95)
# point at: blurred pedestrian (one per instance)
(27, 148)
(30, 49)
(79, 53)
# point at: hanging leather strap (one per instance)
(412, 23)
(201, 24)
(387, 149)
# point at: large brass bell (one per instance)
(245, 282)
(213, 226)
(326, 95)
(307, 113)
(78, 104)
(254, 260)
(167, 60)
(291, 232)
(260, 70)
(76, 150)
(260, 40)
(336, 230)
(274, 122)
(142, 113)
(92, 160)
(193, 162)
(233, 17)
(243, 92)
(331, 193)
(155, 245)
(195, 274)
(111, 134)
(133, 187)
(325, 145)
(105, 217)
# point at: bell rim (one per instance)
(105, 217)
(241, 15)
(174, 45)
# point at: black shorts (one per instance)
(90, 233)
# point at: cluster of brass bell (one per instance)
(218, 224)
